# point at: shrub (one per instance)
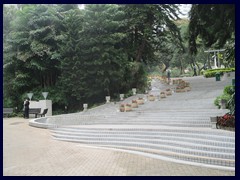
(229, 96)
(212, 72)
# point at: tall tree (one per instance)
(150, 27)
(103, 52)
(214, 23)
(72, 70)
(30, 49)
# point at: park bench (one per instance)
(7, 111)
(43, 113)
(35, 111)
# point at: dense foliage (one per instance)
(80, 56)
(228, 96)
(212, 26)
(213, 72)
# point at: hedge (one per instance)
(212, 72)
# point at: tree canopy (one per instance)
(81, 55)
(214, 23)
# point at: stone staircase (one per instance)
(176, 128)
(196, 145)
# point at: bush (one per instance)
(212, 72)
(229, 96)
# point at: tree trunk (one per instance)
(140, 51)
(181, 66)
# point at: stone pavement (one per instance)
(32, 151)
(29, 151)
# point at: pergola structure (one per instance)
(216, 60)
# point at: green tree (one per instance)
(82, 55)
(213, 23)
(103, 51)
(72, 70)
(30, 50)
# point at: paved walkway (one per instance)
(30, 151)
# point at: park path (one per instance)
(115, 143)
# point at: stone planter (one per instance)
(108, 99)
(223, 103)
(225, 128)
(85, 106)
(151, 98)
(187, 88)
(121, 97)
(178, 90)
(163, 95)
(134, 104)
(140, 101)
(122, 108)
(168, 93)
(128, 108)
(213, 122)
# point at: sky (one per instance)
(185, 8)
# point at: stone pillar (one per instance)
(108, 99)
(121, 97)
(134, 90)
(85, 106)
(215, 60)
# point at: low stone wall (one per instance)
(61, 120)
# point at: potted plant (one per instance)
(226, 122)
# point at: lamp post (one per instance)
(45, 94)
(30, 95)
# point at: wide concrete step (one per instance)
(206, 146)
(146, 130)
(193, 143)
(193, 159)
(174, 146)
(186, 154)
(200, 125)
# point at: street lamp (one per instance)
(45, 94)
(30, 95)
